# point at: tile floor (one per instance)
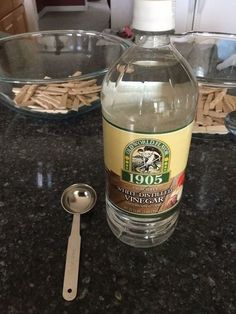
(95, 18)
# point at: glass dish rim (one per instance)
(124, 42)
(213, 34)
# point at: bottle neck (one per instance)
(152, 40)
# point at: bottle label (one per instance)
(145, 172)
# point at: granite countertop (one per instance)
(192, 272)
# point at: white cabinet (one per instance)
(121, 13)
(191, 15)
(206, 15)
(184, 13)
(215, 16)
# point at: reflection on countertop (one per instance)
(191, 273)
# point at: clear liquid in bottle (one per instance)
(148, 104)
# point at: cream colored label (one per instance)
(145, 172)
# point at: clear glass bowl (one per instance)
(212, 57)
(47, 61)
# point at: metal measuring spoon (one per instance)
(76, 199)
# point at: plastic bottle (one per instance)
(148, 103)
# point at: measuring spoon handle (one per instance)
(71, 274)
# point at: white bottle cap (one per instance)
(154, 15)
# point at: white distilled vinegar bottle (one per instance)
(148, 103)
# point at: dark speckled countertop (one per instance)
(193, 272)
